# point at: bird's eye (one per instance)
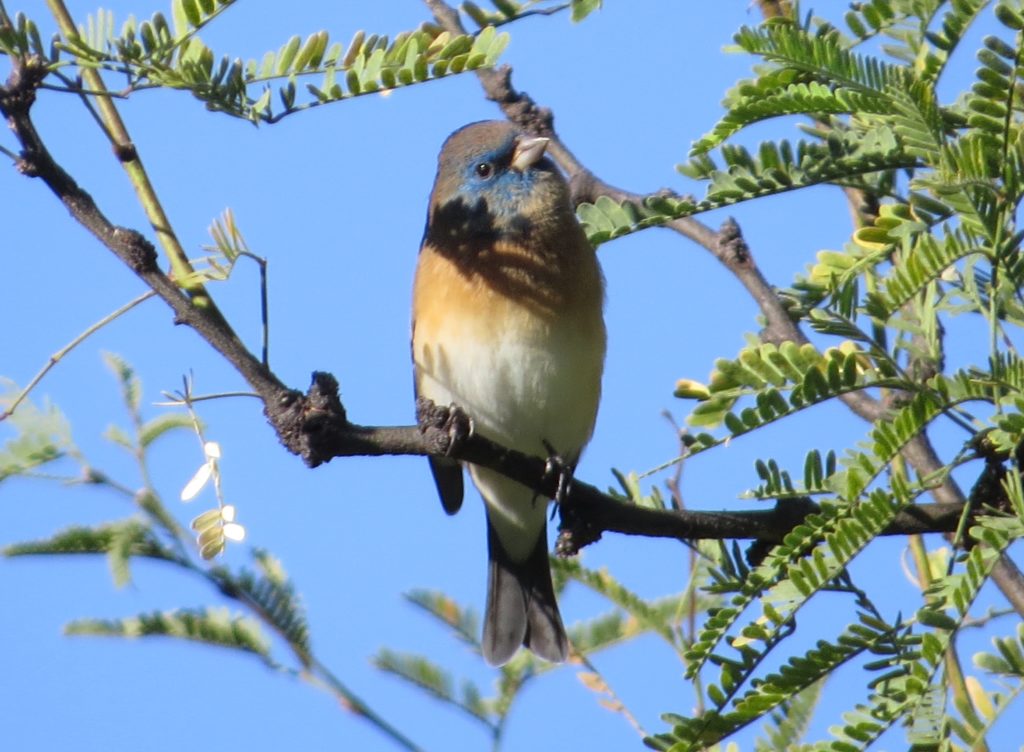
(484, 169)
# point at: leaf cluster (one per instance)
(936, 186)
(300, 74)
(264, 593)
(937, 190)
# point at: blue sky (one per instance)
(336, 198)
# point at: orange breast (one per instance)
(522, 353)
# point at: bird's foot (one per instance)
(556, 466)
(454, 423)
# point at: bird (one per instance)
(508, 326)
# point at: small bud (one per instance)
(690, 389)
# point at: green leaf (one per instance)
(790, 722)
(119, 436)
(435, 681)
(606, 218)
(126, 538)
(583, 8)
(42, 434)
(153, 429)
(1008, 660)
(131, 386)
(464, 622)
(242, 89)
(603, 583)
(191, 10)
(180, 15)
(211, 626)
(270, 590)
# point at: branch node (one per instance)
(308, 424)
(322, 397)
(575, 531)
(18, 96)
(445, 428)
(125, 152)
(518, 106)
(584, 187)
(732, 247)
(27, 166)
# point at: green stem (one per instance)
(954, 672)
(357, 706)
(118, 133)
(313, 670)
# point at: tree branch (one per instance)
(726, 245)
(16, 99)
(315, 427)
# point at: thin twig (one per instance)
(83, 96)
(352, 702)
(59, 355)
(537, 12)
(174, 401)
(72, 88)
(953, 667)
(264, 304)
(612, 701)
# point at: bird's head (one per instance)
(494, 180)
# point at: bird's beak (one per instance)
(528, 152)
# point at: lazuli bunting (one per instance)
(508, 326)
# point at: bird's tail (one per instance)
(521, 605)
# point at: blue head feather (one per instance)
(479, 198)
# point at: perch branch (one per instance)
(315, 427)
(726, 245)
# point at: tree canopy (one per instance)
(878, 392)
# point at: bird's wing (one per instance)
(448, 479)
(447, 472)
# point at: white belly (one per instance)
(525, 367)
(522, 385)
(525, 387)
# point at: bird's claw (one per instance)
(556, 466)
(452, 420)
